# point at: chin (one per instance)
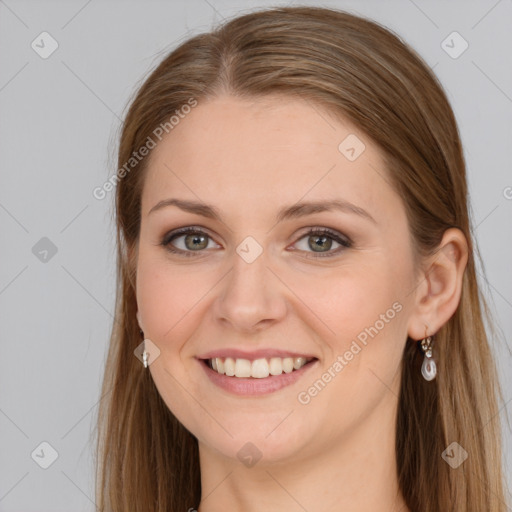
(273, 436)
(252, 448)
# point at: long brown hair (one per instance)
(352, 67)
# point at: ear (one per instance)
(439, 287)
(132, 255)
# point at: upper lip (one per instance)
(236, 353)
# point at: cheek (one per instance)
(166, 296)
(373, 320)
(365, 311)
(350, 300)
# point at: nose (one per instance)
(251, 296)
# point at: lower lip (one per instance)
(250, 386)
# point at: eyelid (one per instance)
(335, 233)
(185, 230)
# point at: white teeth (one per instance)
(299, 362)
(288, 364)
(276, 366)
(229, 366)
(259, 368)
(243, 368)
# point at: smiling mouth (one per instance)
(258, 368)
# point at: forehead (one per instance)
(264, 152)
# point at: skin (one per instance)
(249, 159)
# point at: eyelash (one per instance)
(344, 242)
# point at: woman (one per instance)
(297, 280)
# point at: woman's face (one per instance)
(253, 287)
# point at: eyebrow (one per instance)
(288, 212)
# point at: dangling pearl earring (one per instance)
(428, 368)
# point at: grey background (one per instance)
(59, 119)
